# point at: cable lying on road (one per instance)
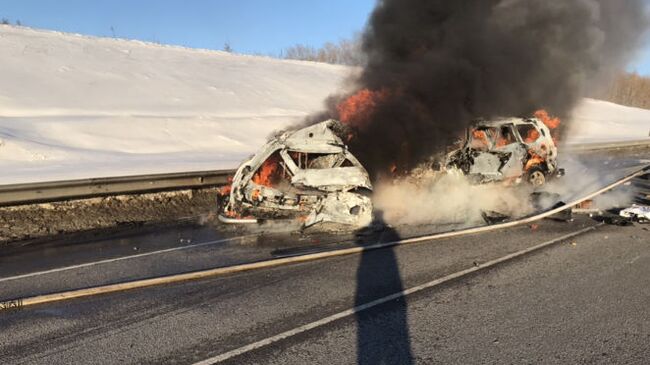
(48, 298)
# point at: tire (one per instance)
(536, 177)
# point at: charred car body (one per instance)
(307, 174)
(510, 150)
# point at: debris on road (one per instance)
(638, 213)
(491, 217)
(590, 212)
(587, 204)
(563, 216)
(614, 220)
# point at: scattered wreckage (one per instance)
(638, 213)
(307, 174)
(507, 150)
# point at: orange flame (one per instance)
(532, 136)
(357, 109)
(267, 173)
(479, 139)
(533, 161)
(224, 191)
(235, 215)
(551, 123)
(477, 134)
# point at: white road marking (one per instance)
(102, 262)
(634, 260)
(404, 293)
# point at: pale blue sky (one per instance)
(249, 26)
(264, 26)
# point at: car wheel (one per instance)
(536, 177)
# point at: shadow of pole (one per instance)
(382, 333)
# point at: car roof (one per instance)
(503, 121)
(318, 138)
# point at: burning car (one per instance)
(307, 174)
(509, 150)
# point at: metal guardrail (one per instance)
(608, 146)
(29, 193)
(18, 194)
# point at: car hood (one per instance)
(335, 179)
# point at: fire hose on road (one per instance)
(201, 274)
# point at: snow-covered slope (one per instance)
(601, 121)
(73, 106)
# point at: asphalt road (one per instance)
(585, 303)
(580, 301)
(570, 303)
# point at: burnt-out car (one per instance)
(509, 150)
(307, 174)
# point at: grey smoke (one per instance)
(448, 62)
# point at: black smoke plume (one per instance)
(445, 63)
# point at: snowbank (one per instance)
(73, 106)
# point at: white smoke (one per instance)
(447, 198)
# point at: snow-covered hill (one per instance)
(601, 121)
(73, 106)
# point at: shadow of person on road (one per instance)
(382, 331)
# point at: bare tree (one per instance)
(630, 89)
(227, 47)
(300, 52)
(345, 52)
